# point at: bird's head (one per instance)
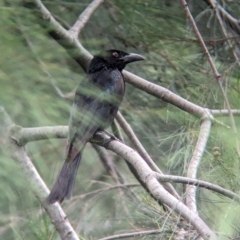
(112, 59)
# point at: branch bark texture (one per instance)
(36, 184)
(191, 191)
(84, 17)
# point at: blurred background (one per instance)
(31, 64)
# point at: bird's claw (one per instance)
(106, 140)
(111, 135)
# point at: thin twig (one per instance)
(233, 22)
(237, 59)
(84, 17)
(199, 183)
(224, 112)
(213, 67)
(199, 37)
(69, 95)
(124, 186)
(137, 234)
(117, 130)
(107, 163)
(226, 35)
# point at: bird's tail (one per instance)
(63, 186)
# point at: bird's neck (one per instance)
(99, 64)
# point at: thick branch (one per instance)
(25, 135)
(95, 192)
(40, 190)
(62, 36)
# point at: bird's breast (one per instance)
(107, 86)
(115, 84)
(116, 75)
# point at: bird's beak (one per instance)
(132, 57)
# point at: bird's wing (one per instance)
(82, 126)
(95, 106)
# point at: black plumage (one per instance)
(95, 105)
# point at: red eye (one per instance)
(115, 54)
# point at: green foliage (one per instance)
(31, 61)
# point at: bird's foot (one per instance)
(108, 140)
(100, 136)
(111, 135)
(111, 138)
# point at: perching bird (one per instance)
(95, 105)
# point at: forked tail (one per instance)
(63, 186)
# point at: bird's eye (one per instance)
(115, 54)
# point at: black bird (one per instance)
(95, 105)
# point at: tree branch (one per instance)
(82, 57)
(43, 67)
(58, 33)
(195, 162)
(83, 18)
(107, 163)
(165, 95)
(42, 133)
(224, 112)
(199, 183)
(156, 189)
(141, 167)
(95, 192)
(36, 184)
(214, 69)
(143, 153)
(24, 135)
(137, 234)
(233, 23)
